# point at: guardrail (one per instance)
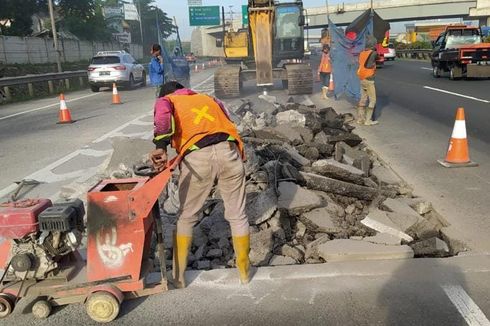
(423, 54)
(7, 82)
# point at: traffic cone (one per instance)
(115, 95)
(457, 152)
(64, 114)
(331, 86)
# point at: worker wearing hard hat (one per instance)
(199, 128)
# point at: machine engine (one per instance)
(37, 236)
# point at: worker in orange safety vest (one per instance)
(366, 73)
(324, 70)
(199, 128)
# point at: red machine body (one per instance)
(18, 219)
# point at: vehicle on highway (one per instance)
(460, 51)
(108, 67)
(190, 57)
(391, 54)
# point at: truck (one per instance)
(460, 50)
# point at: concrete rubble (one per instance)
(315, 193)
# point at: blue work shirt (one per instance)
(156, 72)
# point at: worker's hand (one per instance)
(160, 58)
(159, 159)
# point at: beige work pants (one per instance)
(199, 170)
(368, 92)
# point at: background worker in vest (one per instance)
(324, 70)
(366, 74)
(199, 128)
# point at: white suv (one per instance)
(108, 67)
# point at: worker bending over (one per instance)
(199, 128)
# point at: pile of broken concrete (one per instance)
(315, 193)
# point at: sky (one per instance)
(178, 8)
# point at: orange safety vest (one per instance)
(325, 65)
(364, 72)
(197, 116)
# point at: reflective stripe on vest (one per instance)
(364, 72)
(325, 65)
(197, 116)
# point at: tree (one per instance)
(149, 17)
(18, 14)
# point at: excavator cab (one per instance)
(275, 34)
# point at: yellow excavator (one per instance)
(271, 48)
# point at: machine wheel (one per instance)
(300, 79)
(41, 309)
(131, 81)
(227, 82)
(94, 89)
(436, 72)
(7, 305)
(102, 307)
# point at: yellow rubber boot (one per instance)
(241, 245)
(324, 92)
(182, 244)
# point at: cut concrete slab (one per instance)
(128, 151)
(404, 221)
(261, 244)
(297, 200)
(344, 249)
(292, 252)
(281, 261)
(420, 205)
(385, 176)
(378, 220)
(399, 206)
(331, 162)
(261, 207)
(384, 239)
(291, 116)
(433, 247)
(320, 220)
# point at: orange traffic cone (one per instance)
(457, 152)
(115, 95)
(331, 86)
(64, 114)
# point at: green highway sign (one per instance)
(204, 16)
(245, 15)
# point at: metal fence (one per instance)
(421, 54)
(7, 83)
(36, 50)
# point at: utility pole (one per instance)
(55, 35)
(141, 25)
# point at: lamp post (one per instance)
(55, 35)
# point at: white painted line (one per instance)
(203, 82)
(466, 306)
(425, 68)
(118, 129)
(457, 94)
(46, 107)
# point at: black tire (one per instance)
(143, 79)
(94, 88)
(131, 82)
(436, 73)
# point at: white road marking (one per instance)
(457, 94)
(118, 129)
(425, 68)
(466, 306)
(46, 106)
(203, 82)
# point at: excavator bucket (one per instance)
(261, 30)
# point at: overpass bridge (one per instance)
(401, 10)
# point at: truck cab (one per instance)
(460, 51)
